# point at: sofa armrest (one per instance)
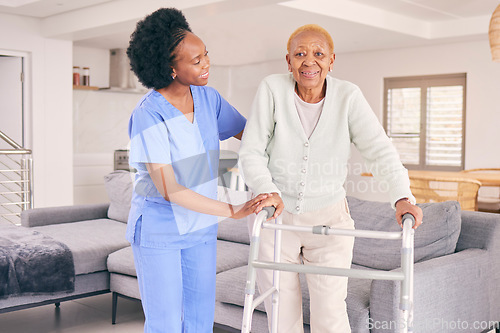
(479, 230)
(482, 230)
(448, 291)
(55, 215)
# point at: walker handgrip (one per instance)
(409, 216)
(270, 210)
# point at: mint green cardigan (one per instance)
(309, 174)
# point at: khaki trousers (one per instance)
(327, 293)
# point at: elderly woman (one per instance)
(175, 131)
(295, 148)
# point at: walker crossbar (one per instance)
(405, 276)
(326, 230)
(322, 270)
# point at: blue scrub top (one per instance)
(160, 133)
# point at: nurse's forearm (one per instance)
(191, 200)
(164, 179)
(239, 135)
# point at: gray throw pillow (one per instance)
(119, 187)
(437, 236)
(230, 229)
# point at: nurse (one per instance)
(175, 131)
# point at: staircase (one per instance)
(16, 181)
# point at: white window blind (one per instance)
(444, 125)
(403, 122)
(424, 117)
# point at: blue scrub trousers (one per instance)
(177, 287)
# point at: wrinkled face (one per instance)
(310, 59)
(191, 62)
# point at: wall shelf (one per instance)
(140, 91)
(85, 88)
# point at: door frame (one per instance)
(27, 117)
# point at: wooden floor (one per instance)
(91, 314)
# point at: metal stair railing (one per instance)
(16, 181)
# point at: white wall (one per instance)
(100, 126)
(98, 62)
(11, 99)
(49, 91)
(238, 85)
(368, 69)
(100, 119)
(50, 94)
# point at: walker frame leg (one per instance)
(276, 280)
(406, 277)
(250, 305)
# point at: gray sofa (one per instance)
(457, 268)
(457, 272)
(89, 234)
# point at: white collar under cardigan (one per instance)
(309, 173)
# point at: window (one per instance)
(424, 116)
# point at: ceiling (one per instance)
(243, 31)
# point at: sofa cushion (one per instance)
(437, 236)
(5, 222)
(63, 214)
(231, 255)
(90, 241)
(122, 262)
(119, 187)
(358, 302)
(230, 287)
(230, 229)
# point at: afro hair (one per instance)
(152, 45)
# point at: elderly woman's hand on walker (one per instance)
(404, 206)
(273, 199)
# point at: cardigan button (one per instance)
(303, 170)
(297, 208)
(302, 184)
(305, 158)
(306, 144)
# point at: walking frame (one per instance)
(405, 323)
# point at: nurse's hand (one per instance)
(243, 210)
(274, 200)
